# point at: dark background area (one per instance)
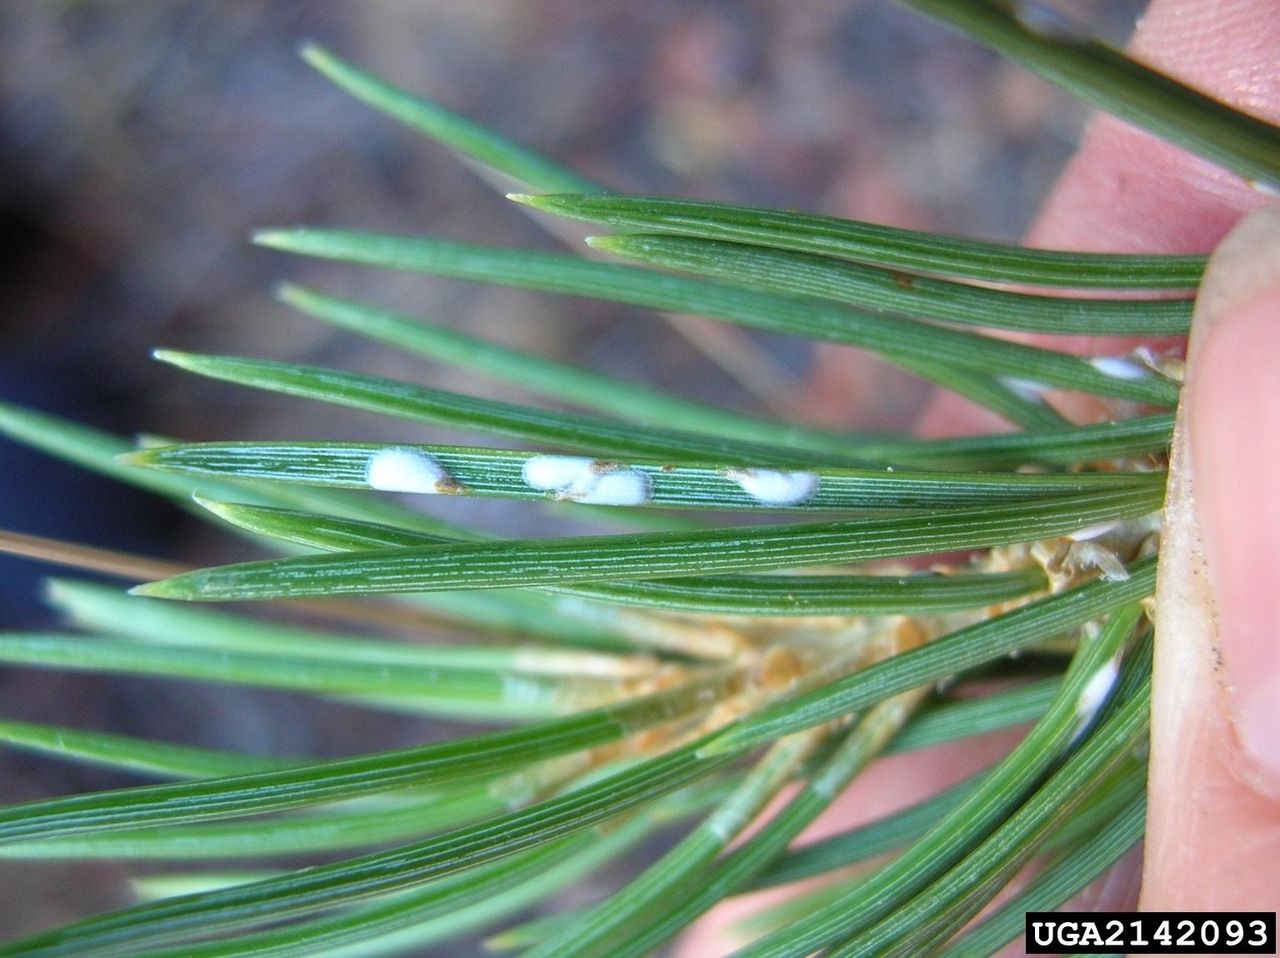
(140, 143)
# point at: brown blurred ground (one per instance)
(140, 143)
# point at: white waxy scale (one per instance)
(401, 469)
(591, 481)
(554, 472)
(1095, 693)
(775, 487)
(1120, 367)
(1092, 532)
(1027, 389)
(1147, 356)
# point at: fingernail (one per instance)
(1232, 400)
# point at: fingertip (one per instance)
(1233, 426)
(1214, 821)
(1126, 190)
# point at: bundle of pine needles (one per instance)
(694, 671)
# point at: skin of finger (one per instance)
(1214, 825)
(1212, 840)
(1127, 191)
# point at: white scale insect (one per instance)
(592, 481)
(1120, 367)
(402, 469)
(775, 487)
(1027, 389)
(1094, 695)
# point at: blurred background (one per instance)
(140, 144)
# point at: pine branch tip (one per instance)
(223, 510)
(287, 292)
(177, 587)
(174, 357)
(274, 238)
(53, 589)
(313, 53)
